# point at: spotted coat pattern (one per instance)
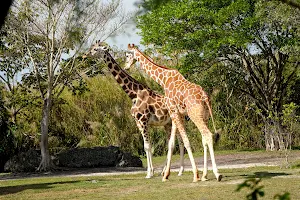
(148, 107)
(182, 98)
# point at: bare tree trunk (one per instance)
(270, 136)
(46, 161)
(272, 141)
(281, 137)
(275, 137)
(267, 139)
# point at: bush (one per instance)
(99, 117)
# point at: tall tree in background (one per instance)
(11, 66)
(257, 41)
(50, 35)
(6, 138)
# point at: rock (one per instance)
(75, 158)
(90, 157)
(24, 162)
(129, 160)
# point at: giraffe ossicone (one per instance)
(182, 98)
(148, 107)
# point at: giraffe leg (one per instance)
(213, 161)
(168, 130)
(147, 148)
(204, 176)
(179, 124)
(166, 171)
(197, 115)
(181, 150)
(150, 170)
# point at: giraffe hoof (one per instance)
(165, 180)
(180, 172)
(204, 179)
(149, 176)
(220, 177)
(195, 180)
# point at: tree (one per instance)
(257, 41)
(50, 35)
(6, 138)
(15, 96)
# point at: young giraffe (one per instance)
(182, 97)
(148, 107)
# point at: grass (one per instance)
(274, 180)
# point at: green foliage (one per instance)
(192, 25)
(6, 136)
(97, 117)
(205, 40)
(285, 196)
(246, 53)
(214, 27)
(253, 185)
(256, 190)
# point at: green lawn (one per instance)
(274, 180)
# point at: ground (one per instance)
(225, 160)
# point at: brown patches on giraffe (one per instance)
(181, 97)
(148, 107)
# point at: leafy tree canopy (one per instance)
(206, 29)
(255, 44)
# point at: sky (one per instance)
(129, 35)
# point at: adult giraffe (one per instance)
(148, 107)
(182, 98)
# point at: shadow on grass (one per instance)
(264, 174)
(19, 188)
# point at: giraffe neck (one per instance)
(156, 72)
(128, 84)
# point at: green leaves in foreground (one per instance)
(252, 184)
(256, 190)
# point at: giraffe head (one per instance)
(96, 50)
(130, 60)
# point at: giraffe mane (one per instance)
(150, 59)
(122, 71)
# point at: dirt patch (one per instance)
(248, 159)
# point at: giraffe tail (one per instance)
(216, 133)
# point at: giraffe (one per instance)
(148, 107)
(182, 98)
